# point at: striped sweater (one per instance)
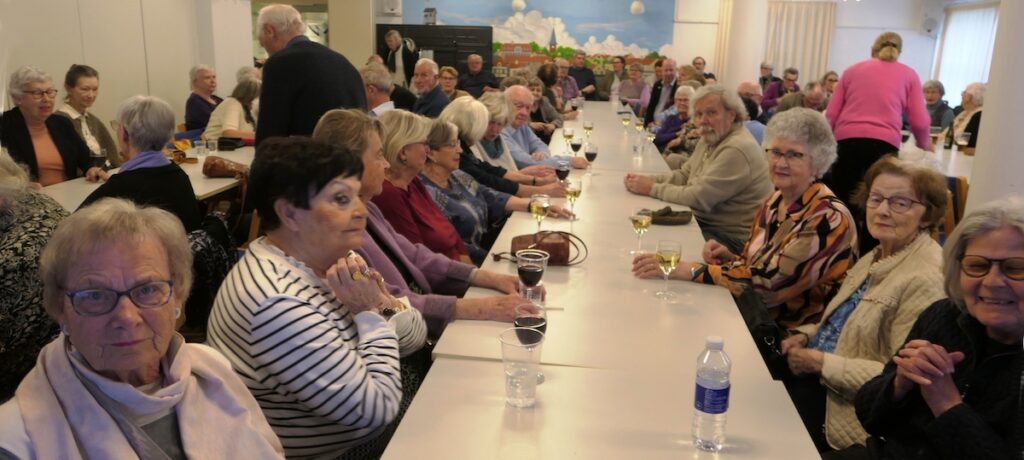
(326, 379)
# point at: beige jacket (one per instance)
(724, 185)
(900, 287)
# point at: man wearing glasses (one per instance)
(776, 90)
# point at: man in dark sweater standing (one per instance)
(147, 177)
(585, 78)
(301, 79)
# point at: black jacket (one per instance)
(166, 187)
(486, 173)
(655, 96)
(409, 59)
(300, 83)
(989, 382)
(15, 137)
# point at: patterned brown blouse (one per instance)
(794, 261)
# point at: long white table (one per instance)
(72, 193)
(619, 363)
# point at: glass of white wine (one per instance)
(567, 134)
(588, 128)
(573, 188)
(668, 255)
(652, 133)
(540, 204)
(641, 220)
(626, 120)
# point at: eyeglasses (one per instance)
(789, 155)
(978, 266)
(898, 204)
(831, 80)
(98, 301)
(39, 93)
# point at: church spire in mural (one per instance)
(552, 42)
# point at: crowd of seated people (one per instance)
(373, 230)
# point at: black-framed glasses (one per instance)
(979, 266)
(100, 301)
(898, 204)
(789, 155)
(38, 94)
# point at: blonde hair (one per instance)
(470, 116)
(402, 128)
(887, 46)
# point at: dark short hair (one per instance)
(929, 186)
(296, 168)
(548, 74)
(751, 107)
(77, 71)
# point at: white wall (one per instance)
(859, 23)
(138, 46)
(695, 32)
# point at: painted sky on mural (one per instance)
(597, 26)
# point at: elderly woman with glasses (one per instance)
(867, 319)
(310, 328)
(145, 124)
(119, 382)
(448, 78)
(476, 211)
(48, 146)
(800, 243)
(952, 390)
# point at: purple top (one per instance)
(147, 159)
(774, 92)
(569, 88)
(439, 278)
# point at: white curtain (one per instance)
(967, 41)
(722, 40)
(800, 36)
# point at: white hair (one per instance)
(24, 76)
(470, 116)
(977, 92)
(148, 120)
(429, 62)
(377, 76)
(193, 73)
(246, 73)
(284, 19)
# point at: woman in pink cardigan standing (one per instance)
(866, 113)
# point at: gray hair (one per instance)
(730, 100)
(791, 71)
(193, 73)
(441, 131)
(579, 52)
(807, 127)
(284, 19)
(811, 86)
(685, 90)
(377, 76)
(13, 180)
(112, 221)
(498, 107)
(977, 92)
(148, 121)
(469, 115)
(936, 85)
(1006, 212)
(429, 62)
(246, 73)
(24, 76)
(394, 34)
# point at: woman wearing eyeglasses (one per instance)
(866, 322)
(48, 146)
(118, 382)
(802, 240)
(952, 390)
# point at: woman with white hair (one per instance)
(119, 382)
(399, 57)
(27, 219)
(146, 124)
(202, 101)
(48, 146)
(800, 243)
(969, 121)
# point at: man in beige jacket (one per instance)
(725, 181)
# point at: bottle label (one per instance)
(711, 401)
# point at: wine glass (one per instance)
(591, 154)
(588, 128)
(98, 158)
(562, 170)
(652, 133)
(963, 139)
(540, 204)
(567, 134)
(530, 264)
(641, 220)
(668, 254)
(626, 118)
(573, 188)
(576, 143)
(531, 316)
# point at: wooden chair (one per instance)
(956, 201)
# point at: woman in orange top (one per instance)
(48, 146)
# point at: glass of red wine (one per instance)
(576, 144)
(530, 264)
(562, 170)
(591, 154)
(530, 316)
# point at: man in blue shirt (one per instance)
(526, 148)
(584, 77)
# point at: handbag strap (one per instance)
(575, 242)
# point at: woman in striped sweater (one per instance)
(309, 328)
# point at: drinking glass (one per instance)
(199, 146)
(212, 144)
(532, 316)
(540, 204)
(530, 264)
(520, 355)
(567, 134)
(562, 170)
(591, 154)
(963, 139)
(573, 188)
(641, 220)
(668, 255)
(626, 118)
(576, 144)
(98, 159)
(588, 128)
(652, 133)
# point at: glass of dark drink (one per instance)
(591, 155)
(562, 171)
(530, 264)
(530, 316)
(576, 144)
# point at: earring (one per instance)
(177, 313)
(64, 329)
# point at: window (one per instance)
(966, 51)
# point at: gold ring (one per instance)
(358, 276)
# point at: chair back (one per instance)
(213, 255)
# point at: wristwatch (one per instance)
(696, 270)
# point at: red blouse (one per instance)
(414, 214)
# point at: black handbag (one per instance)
(227, 144)
(766, 332)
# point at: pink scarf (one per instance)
(217, 416)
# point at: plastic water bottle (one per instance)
(712, 395)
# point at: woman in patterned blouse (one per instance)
(802, 239)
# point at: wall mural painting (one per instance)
(528, 35)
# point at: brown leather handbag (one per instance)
(215, 166)
(559, 245)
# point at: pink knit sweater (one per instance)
(870, 101)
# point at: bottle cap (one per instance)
(714, 342)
